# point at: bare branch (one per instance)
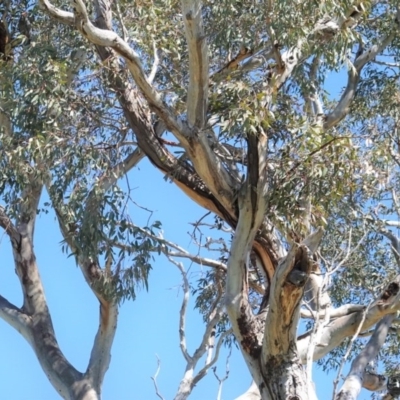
(154, 379)
(207, 262)
(251, 214)
(60, 15)
(100, 356)
(347, 326)
(395, 244)
(204, 370)
(343, 106)
(200, 351)
(197, 97)
(182, 312)
(15, 317)
(395, 224)
(156, 63)
(354, 380)
(335, 313)
(222, 380)
(386, 64)
(189, 380)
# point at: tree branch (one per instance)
(251, 213)
(341, 328)
(395, 244)
(15, 317)
(197, 97)
(62, 375)
(333, 313)
(8, 226)
(343, 106)
(189, 380)
(154, 379)
(25, 261)
(208, 336)
(100, 356)
(156, 63)
(252, 204)
(354, 380)
(60, 15)
(182, 312)
(208, 365)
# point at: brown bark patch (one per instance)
(248, 332)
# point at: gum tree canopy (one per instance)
(238, 103)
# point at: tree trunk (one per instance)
(185, 386)
(284, 378)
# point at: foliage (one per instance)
(72, 131)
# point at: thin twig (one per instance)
(123, 28)
(154, 379)
(222, 380)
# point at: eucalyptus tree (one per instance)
(230, 101)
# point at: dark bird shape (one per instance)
(24, 27)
